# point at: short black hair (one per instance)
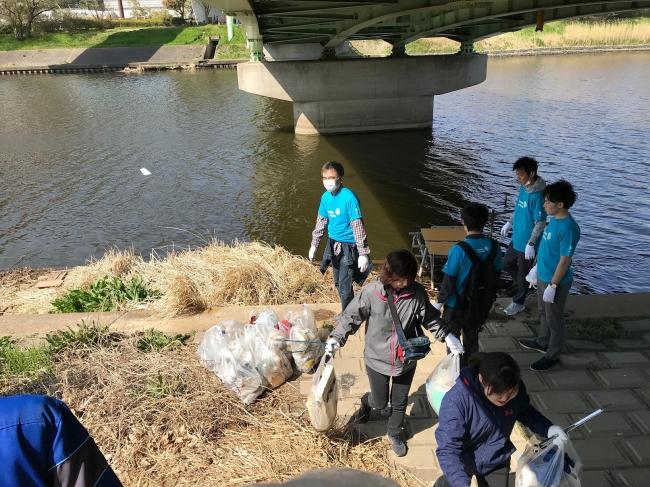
(399, 264)
(500, 372)
(475, 216)
(335, 166)
(560, 192)
(528, 164)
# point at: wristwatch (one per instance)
(553, 285)
(531, 244)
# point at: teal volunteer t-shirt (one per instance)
(560, 239)
(340, 210)
(458, 264)
(529, 209)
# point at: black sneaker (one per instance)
(543, 364)
(399, 447)
(362, 415)
(532, 344)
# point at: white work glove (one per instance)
(454, 344)
(437, 305)
(549, 294)
(312, 252)
(562, 437)
(529, 253)
(363, 263)
(505, 229)
(331, 346)
(532, 278)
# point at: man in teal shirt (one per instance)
(527, 223)
(553, 274)
(347, 247)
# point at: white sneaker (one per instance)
(514, 308)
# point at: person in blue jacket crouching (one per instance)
(476, 419)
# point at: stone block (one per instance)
(498, 344)
(374, 429)
(629, 344)
(533, 381)
(622, 359)
(570, 379)
(599, 478)
(349, 365)
(359, 388)
(305, 387)
(639, 450)
(421, 431)
(584, 345)
(601, 452)
(560, 402)
(632, 478)
(581, 360)
(636, 326)
(645, 395)
(622, 378)
(419, 408)
(618, 400)
(347, 407)
(604, 425)
(511, 328)
(428, 474)
(417, 458)
(641, 419)
(525, 360)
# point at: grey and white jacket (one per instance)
(371, 305)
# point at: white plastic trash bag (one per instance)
(306, 346)
(553, 466)
(323, 396)
(242, 379)
(442, 379)
(270, 361)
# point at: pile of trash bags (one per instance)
(442, 379)
(553, 466)
(248, 358)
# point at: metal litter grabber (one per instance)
(548, 441)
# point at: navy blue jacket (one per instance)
(473, 434)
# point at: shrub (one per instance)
(156, 341)
(87, 336)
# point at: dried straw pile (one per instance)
(163, 420)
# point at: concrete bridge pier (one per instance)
(362, 95)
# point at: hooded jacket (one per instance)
(473, 434)
(371, 306)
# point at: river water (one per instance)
(225, 163)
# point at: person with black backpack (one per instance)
(471, 275)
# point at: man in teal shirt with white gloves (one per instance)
(527, 223)
(553, 274)
(347, 247)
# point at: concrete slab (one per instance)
(639, 450)
(623, 400)
(637, 477)
(584, 345)
(348, 365)
(570, 379)
(601, 452)
(419, 408)
(598, 478)
(636, 326)
(417, 458)
(581, 360)
(525, 360)
(510, 328)
(622, 378)
(533, 380)
(608, 305)
(374, 429)
(498, 344)
(560, 402)
(629, 344)
(622, 359)
(605, 425)
(641, 420)
(645, 395)
(421, 431)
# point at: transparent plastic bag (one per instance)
(270, 362)
(267, 318)
(553, 466)
(442, 379)
(324, 395)
(306, 346)
(242, 379)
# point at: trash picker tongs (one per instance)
(548, 441)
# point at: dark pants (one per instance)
(552, 331)
(343, 277)
(381, 392)
(499, 477)
(468, 336)
(517, 267)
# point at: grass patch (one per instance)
(28, 361)
(106, 294)
(88, 336)
(328, 325)
(156, 341)
(596, 329)
(161, 387)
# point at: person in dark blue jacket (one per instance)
(476, 419)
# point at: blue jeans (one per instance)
(343, 277)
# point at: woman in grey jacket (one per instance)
(396, 282)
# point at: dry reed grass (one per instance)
(163, 420)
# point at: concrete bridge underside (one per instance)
(330, 96)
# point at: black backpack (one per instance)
(473, 306)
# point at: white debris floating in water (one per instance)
(144, 171)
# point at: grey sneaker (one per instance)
(399, 447)
(514, 308)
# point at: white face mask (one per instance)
(331, 185)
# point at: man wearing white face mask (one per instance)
(347, 247)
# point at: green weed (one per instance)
(161, 387)
(23, 361)
(87, 336)
(329, 325)
(597, 329)
(155, 341)
(104, 295)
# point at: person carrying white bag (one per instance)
(477, 417)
